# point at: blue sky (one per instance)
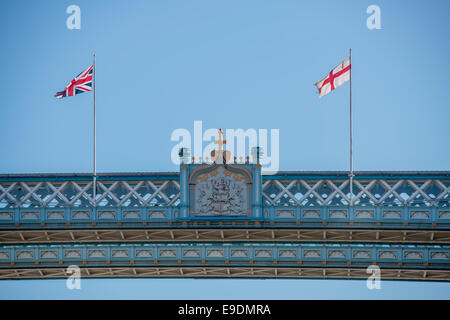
(224, 289)
(232, 64)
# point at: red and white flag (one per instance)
(335, 78)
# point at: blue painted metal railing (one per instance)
(380, 200)
(378, 217)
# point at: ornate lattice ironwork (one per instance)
(393, 199)
(79, 194)
(370, 192)
(276, 192)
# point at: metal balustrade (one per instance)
(275, 217)
(233, 254)
(37, 191)
(379, 200)
(369, 189)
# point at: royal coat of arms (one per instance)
(221, 193)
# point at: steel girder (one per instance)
(235, 254)
(220, 235)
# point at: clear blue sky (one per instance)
(232, 64)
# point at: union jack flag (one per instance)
(81, 83)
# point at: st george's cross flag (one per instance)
(81, 83)
(335, 78)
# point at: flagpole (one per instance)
(351, 134)
(95, 142)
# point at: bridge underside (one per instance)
(220, 235)
(226, 272)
